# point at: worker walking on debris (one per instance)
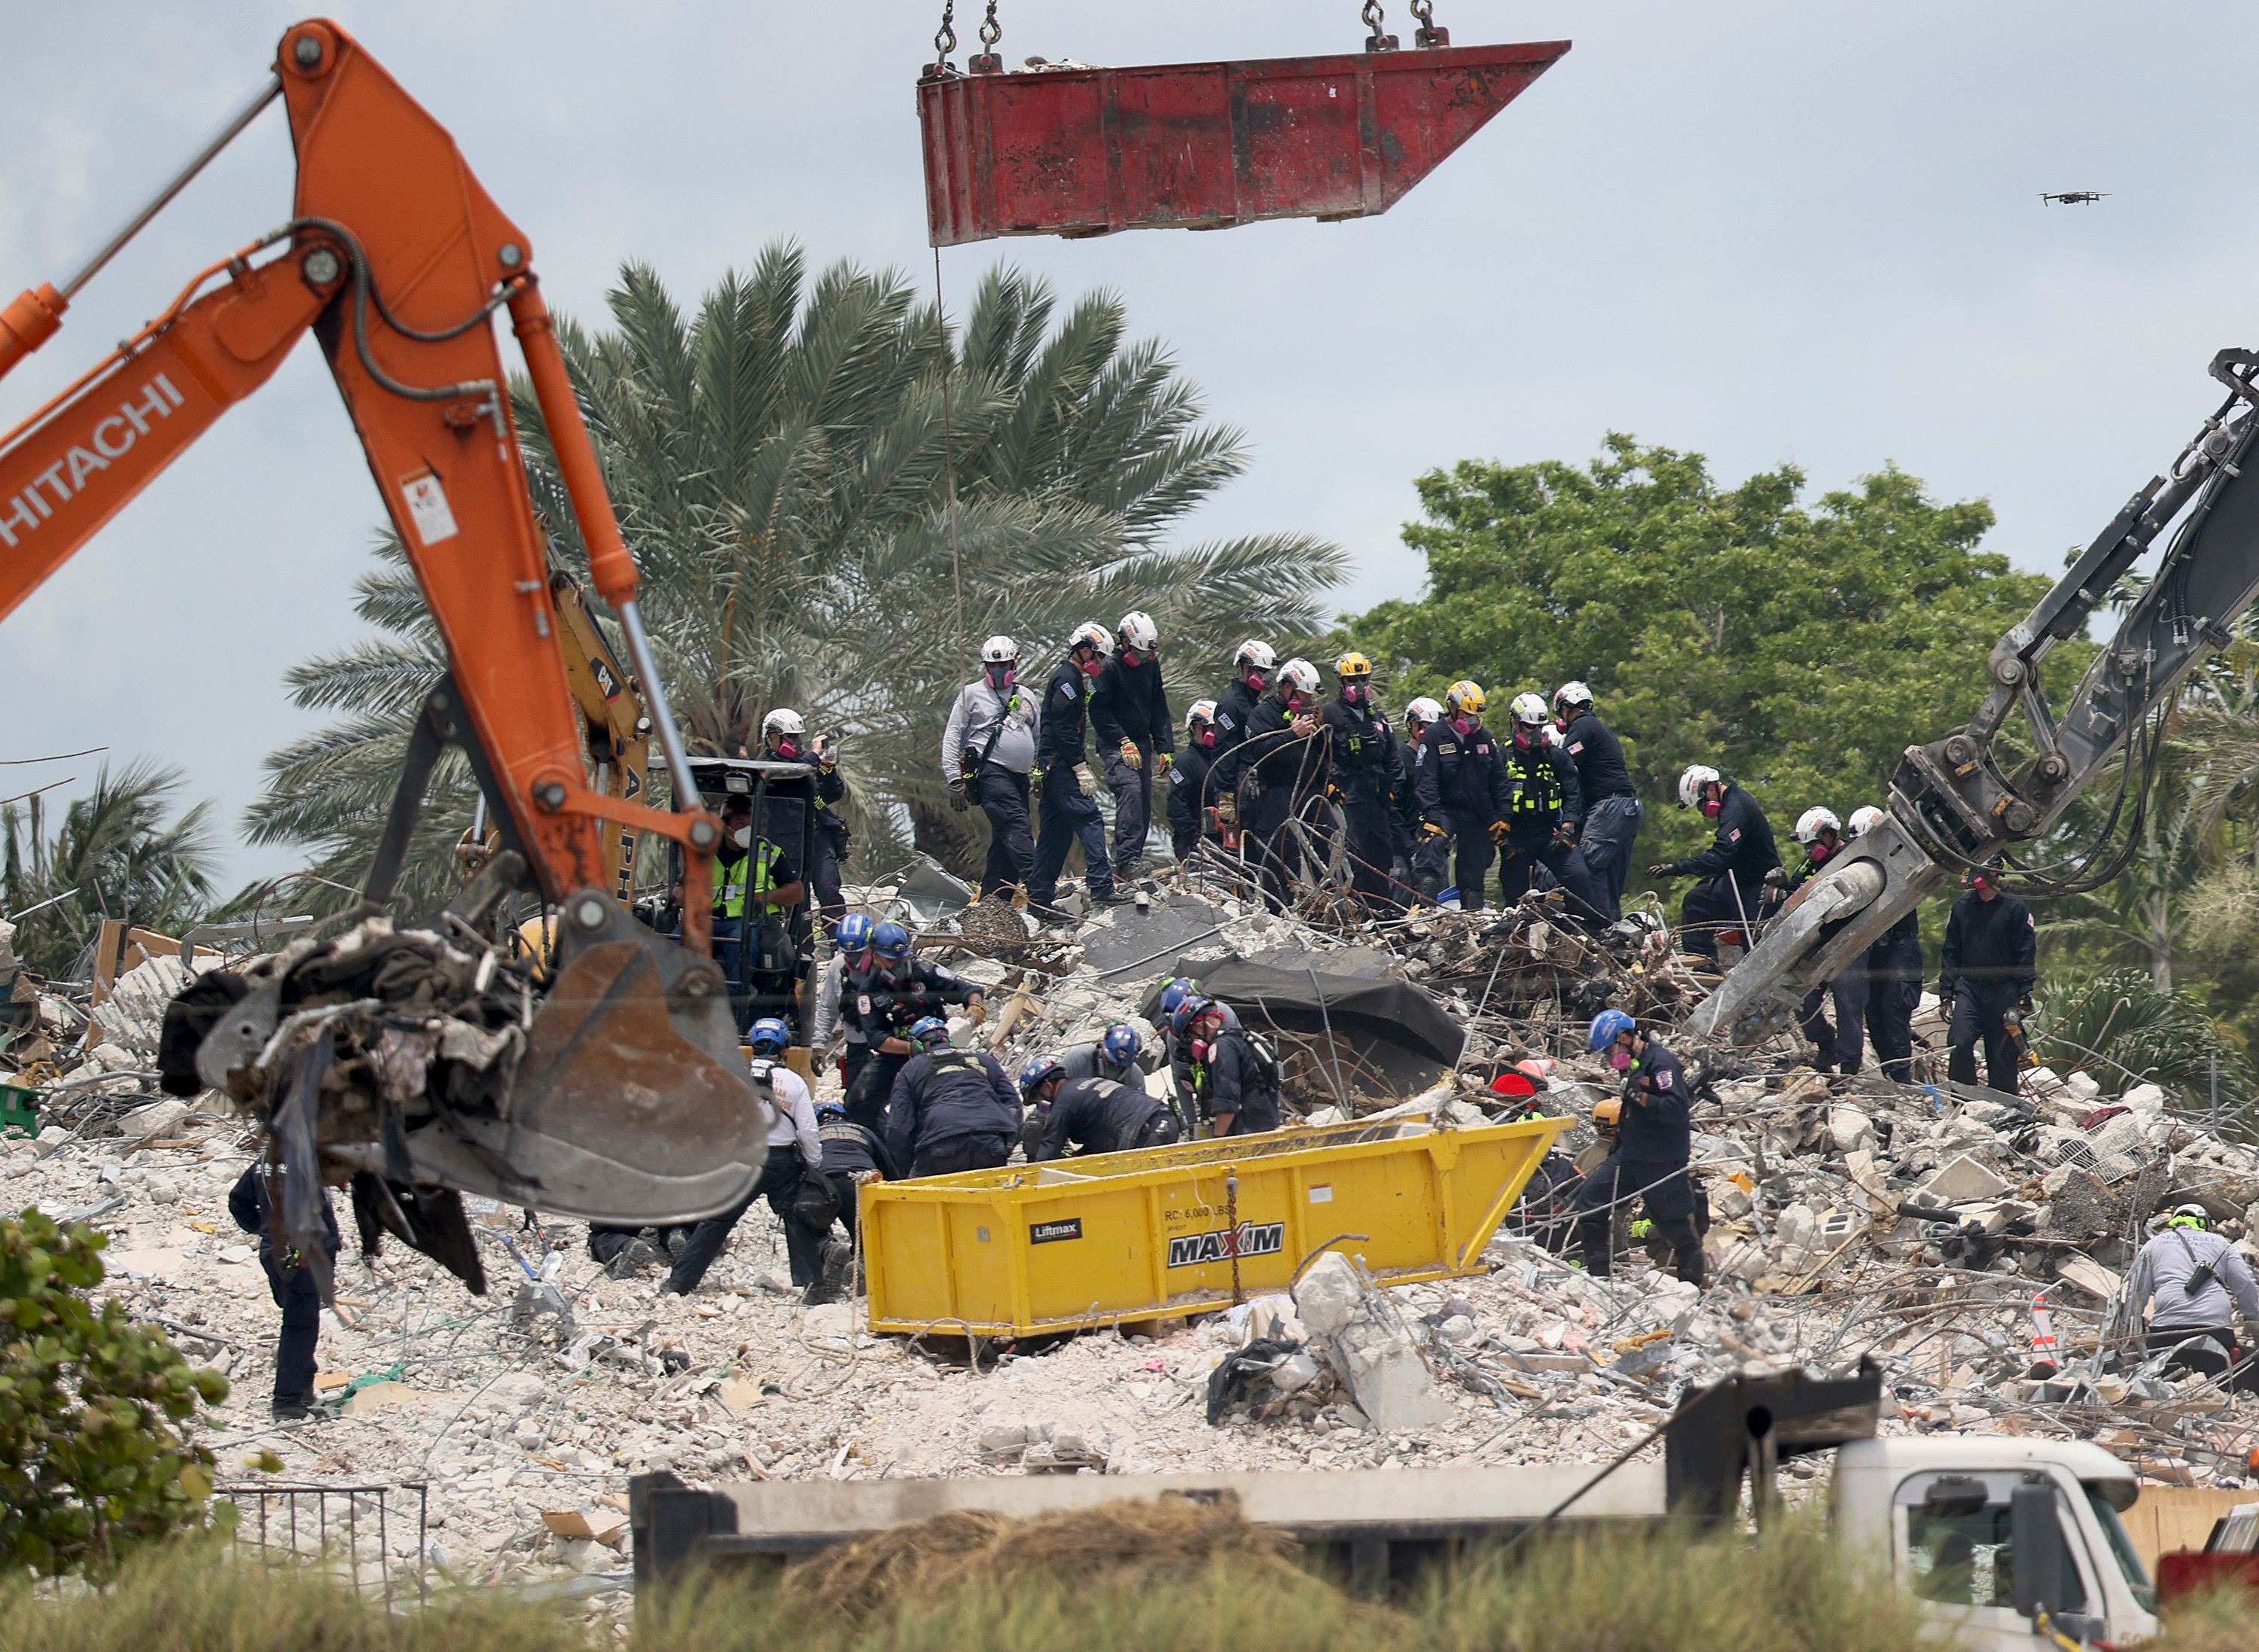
(988, 748)
(1458, 776)
(1985, 973)
(1653, 1149)
(1069, 815)
(1732, 868)
(1253, 669)
(1188, 789)
(1368, 773)
(1840, 1046)
(1613, 812)
(1282, 763)
(884, 1001)
(1544, 812)
(2190, 1282)
(794, 1149)
(1136, 735)
(1895, 975)
(1235, 1078)
(1097, 1115)
(292, 1284)
(784, 739)
(951, 1110)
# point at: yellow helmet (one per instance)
(1464, 696)
(1607, 1113)
(1353, 665)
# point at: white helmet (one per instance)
(1423, 711)
(999, 651)
(783, 720)
(1199, 711)
(1300, 675)
(1691, 783)
(1813, 822)
(1139, 631)
(1572, 694)
(1865, 819)
(1259, 655)
(1528, 710)
(1090, 634)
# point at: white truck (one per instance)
(2005, 1536)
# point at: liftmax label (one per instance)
(1248, 1239)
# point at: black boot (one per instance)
(1690, 1261)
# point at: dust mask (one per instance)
(787, 750)
(1002, 676)
(1355, 693)
(1621, 1060)
(1091, 667)
(1711, 807)
(1464, 725)
(743, 837)
(1256, 681)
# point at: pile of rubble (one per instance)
(1919, 1225)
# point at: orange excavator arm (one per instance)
(628, 1102)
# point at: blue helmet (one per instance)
(1175, 994)
(1188, 1009)
(1608, 1026)
(890, 941)
(769, 1036)
(928, 1029)
(1037, 1073)
(1119, 1044)
(855, 932)
(825, 1109)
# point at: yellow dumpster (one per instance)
(1164, 1232)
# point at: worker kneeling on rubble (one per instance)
(1097, 1115)
(1649, 1161)
(1732, 868)
(2192, 1281)
(795, 1151)
(1985, 972)
(951, 1110)
(1234, 1080)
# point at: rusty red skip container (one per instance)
(1203, 145)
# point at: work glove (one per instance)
(1499, 831)
(1087, 780)
(1429, 831)
(1567, 837)
(1641, 1229)
(958, 800)
(1777, 879)
(1161, 761)
(976, 1010)
(1132, 755)
(1335, 795)
(1227, 811)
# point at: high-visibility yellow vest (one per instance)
(732, 890)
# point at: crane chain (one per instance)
(1428, 34)
(944, 39)
(1376, 41)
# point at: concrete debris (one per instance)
(1916, 1224)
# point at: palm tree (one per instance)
(114, 856)
(832, 497)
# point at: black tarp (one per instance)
(1396, 1025)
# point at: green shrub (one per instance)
(91, 1465)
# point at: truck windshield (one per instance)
(2121, 1546)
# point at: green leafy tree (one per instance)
(93, 1464)
(124, 851)
(781, 463)
(2120, 1026)
(1798, 648)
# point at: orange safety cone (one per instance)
(2043, 1356)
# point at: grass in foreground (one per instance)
(1165, 1577)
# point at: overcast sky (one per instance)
(1766, 231)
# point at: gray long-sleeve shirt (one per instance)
(2164, 1268)
(975, 713)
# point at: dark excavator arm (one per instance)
(1951, 805)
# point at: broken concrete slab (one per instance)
(1961, 1180)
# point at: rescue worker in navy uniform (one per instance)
(1546, 810)
(1097, 1115)
(853, 1155)
(1368, 773)
(1188, 787)
(1238, 1090)
(1653, 1145)
(784, 739)
(1184, 1093)
(1985, 971)
(988, 750)
(293, 1287)
(1068, 816)
(1732, 868)
(1136, 735)
(1842, 1047)
(1253, 669)
(845, 974)
(1459, 778)
(896, 993)
(1404, 819)
(1613, 812)
(1894, 978)
(1288, 758)
(951, 1110)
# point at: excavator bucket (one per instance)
(1203, 145)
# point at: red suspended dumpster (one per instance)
(1203, 145)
